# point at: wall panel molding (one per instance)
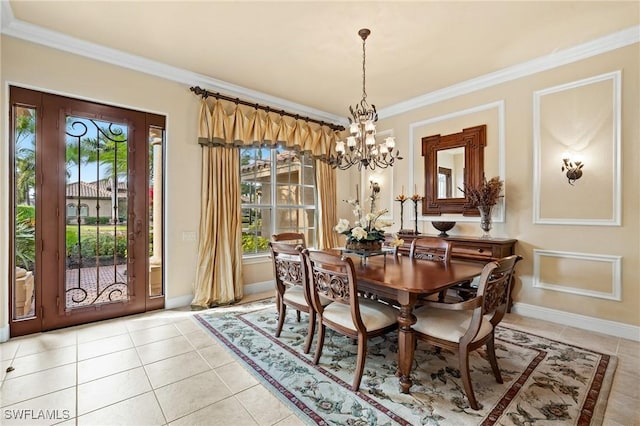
(616, 273)
(616, 190)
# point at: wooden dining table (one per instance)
(405, 281)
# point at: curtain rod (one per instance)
(205, 94)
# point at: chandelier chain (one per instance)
(364, 70)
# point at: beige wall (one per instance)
(577, 244)
(29, 65)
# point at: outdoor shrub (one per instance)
(26, 214)
(254, 243)
(71, 239)
(103, 220)
(25, 236)
(25, 245)
(100, 245)
(90, 220)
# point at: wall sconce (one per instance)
(573, 165)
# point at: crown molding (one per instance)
(6, 14)
(36, 34)
(563, 57)
(16, 28)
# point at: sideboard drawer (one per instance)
(475, 251)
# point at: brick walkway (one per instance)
(84, 286)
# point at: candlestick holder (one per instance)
(401, 199)
(416, 198)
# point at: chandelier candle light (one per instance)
(361, 148)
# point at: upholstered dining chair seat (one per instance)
(295, 294)
(448, 325)
(466, 326)
(375, 315)
(334, 277)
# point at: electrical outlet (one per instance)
(188, 236)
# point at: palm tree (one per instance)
(108, 148)
(25, 174)
(25, 158)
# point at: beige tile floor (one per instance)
(160, 368)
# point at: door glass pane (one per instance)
(156, 140)
(25, 212)
(96, 232)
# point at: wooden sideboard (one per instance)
(476, 249)
(469, 248)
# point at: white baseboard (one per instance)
(4, 333)
(182, 301)
(178, 302)
(260, 287)
(613, 328)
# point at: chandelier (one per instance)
(361, 148)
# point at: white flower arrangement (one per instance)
(367, 226)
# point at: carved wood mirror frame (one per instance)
(473, 140)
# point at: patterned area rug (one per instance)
(545, 381)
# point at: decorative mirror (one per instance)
(450, 162)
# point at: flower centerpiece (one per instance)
(484, 197)
(367, 233)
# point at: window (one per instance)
(278, 194)
(71, 210)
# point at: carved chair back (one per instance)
(493, 294)
(431, 248)
(333, 277)
(294, 238)
(287, 266)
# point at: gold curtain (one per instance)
(219, 272)
(327, 237)
(223, 126)
(224, 123)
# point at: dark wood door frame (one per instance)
(49, 290)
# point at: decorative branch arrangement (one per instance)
(486, 194)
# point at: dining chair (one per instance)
(431, 248)
(435, 249)
(295, 239)
(292, 288)
(333, 277)
(290, 238)
(468, 325)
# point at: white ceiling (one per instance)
(310, 53)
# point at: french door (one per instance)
(87, 225)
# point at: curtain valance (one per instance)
(225, 123)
